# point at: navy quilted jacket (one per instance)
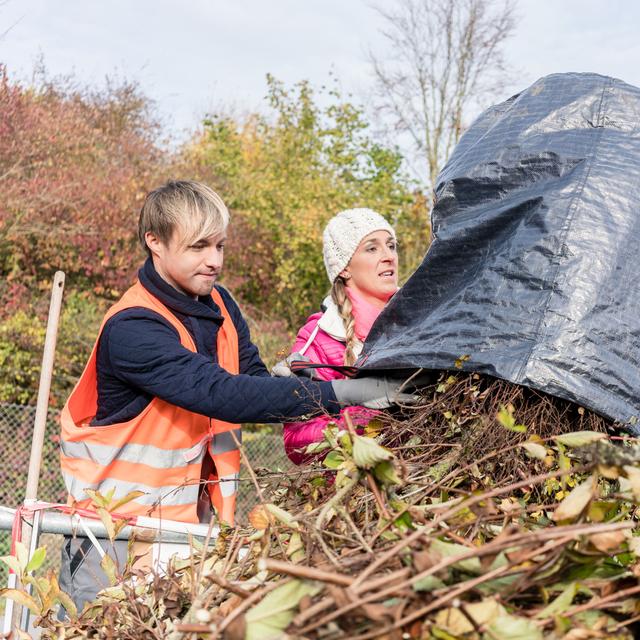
(140, 357)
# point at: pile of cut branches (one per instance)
(488, 511)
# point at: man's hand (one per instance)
(373, 393)
(282, 369)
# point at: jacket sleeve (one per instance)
(145, 352)
(299, 435)
(315, 351)
(250, 361)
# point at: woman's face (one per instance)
(373, 269)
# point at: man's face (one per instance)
(191, 269)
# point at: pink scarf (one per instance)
(364, 312)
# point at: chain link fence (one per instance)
(264, 451)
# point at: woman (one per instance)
(359, 249)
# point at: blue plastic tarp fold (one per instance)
(534, 268)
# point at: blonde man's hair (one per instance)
(345, 309)
(197, 210)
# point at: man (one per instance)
(173, 374)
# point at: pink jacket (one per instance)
(321, 339)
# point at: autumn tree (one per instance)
(439, 58)
(284, 173)
(75, 164)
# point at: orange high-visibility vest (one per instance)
(160, 451)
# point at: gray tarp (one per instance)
(534, 269)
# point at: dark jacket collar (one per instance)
(203, 307)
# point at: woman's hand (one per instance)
(373, 393)
(282, 369)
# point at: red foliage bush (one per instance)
(74, 167)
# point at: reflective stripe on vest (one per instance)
(160, 451)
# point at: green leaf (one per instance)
(534, 450)
(451, 550)
(508, 627)
(317, 447)
(68, 604)
(576, 502)
(441, 634)
(579, 438)
(12, 563)
(42, 585)
(387, 473)
(132, 495)
(295, 548)
(109, 495)
(97, 498)
(22, 554)
(333, 460)
(497, 585)
(457, 623)
(281, 515)
(344, 442)
(107, 521)
(439, 470)
(37, 559)
(506, 419)
(373, 428)
(109, 567)
(561, 603)
(272, 615)
(429, 583)
(367, 453)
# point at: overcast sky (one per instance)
(190, 56)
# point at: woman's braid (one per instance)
(345, 309)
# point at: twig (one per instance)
(205, 546)
(255, 484)
(376, 494)
(248, 465)
(226, 584)
(565, 533)
(232, 552)
(330, 504)
(252, 599)
(625, 623)
(454, 593)
(598, 602)
(306, 573)
(197, 603)
(356, 532)
(372, 483)
(416, 535)
(372, 585)
(194, 627)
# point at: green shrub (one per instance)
(22, 342)
(284, 176)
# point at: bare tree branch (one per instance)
(442, 57)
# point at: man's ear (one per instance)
(153, 242)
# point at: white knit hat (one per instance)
(343, 234)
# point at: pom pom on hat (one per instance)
(343, 234)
